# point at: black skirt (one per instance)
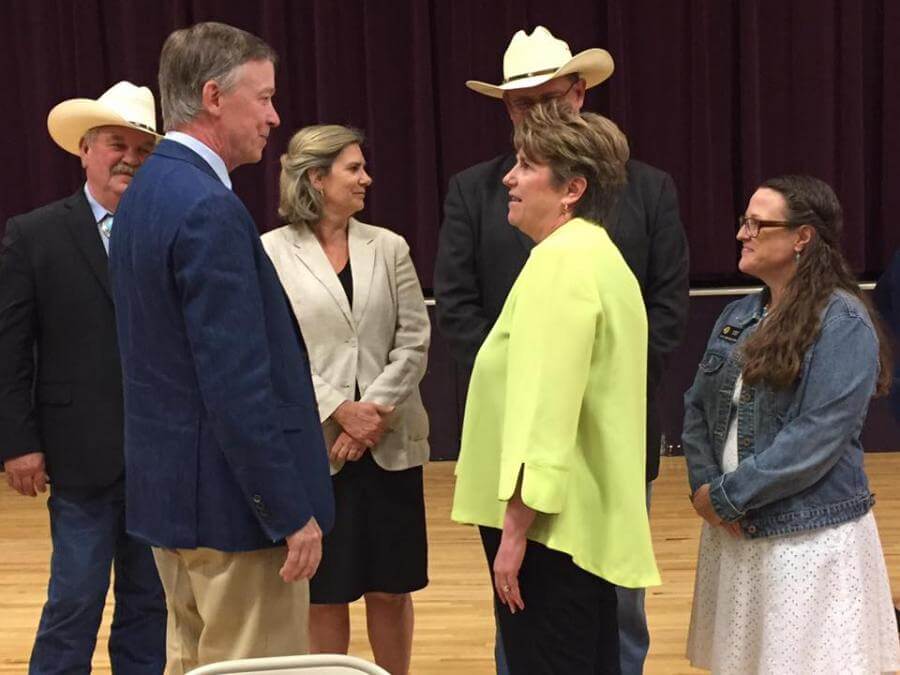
(378, 543)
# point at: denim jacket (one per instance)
(800, 458)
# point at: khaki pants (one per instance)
(225, 606)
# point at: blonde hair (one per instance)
(574, 144)
(312, 148)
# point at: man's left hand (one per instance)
(304, 552)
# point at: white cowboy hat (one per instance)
(122, 105)
(533, 59)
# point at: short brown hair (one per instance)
(577, 144)
(193, 56)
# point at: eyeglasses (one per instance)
(524, 104)
(754, 225)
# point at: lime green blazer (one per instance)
(558, 396)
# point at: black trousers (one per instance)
(569, 622)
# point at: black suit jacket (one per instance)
(60, 379)
(480, 255)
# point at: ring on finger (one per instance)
(506, 588)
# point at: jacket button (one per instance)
(751, 529)
(745, 442)
(257, 499)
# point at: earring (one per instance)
(565, 207)
(797, 257)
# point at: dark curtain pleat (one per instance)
(720, 93)
(884, 232)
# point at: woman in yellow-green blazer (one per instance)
(551, 466)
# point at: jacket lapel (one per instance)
(362, 264)
(81, 225)
(310, 253)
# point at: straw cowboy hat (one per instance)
(122, 105)
(533, 59)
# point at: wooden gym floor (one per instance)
(454, 621)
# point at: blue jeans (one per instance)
(634, 637)
(87, 527)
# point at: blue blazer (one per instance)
(223, 446)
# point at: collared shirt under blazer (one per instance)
(382, 343)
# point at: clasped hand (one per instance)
(703, 506)
(363, 424)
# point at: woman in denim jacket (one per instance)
(791, 575)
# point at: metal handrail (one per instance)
(719, 292)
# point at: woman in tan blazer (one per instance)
(358, 300)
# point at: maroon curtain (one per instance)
(719, 93)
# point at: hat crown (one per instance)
(534, 54)
(134, 104)
(122, 105)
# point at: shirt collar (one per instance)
(210, 157)
(752, 309)
(97, 208)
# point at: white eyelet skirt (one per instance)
(807, 603)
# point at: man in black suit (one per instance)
(480, 254)
(61, 393)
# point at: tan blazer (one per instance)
(382, 344)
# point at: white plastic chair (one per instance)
(307, 664)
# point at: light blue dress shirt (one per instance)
(209, 156)
(100, 213)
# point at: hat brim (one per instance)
(70, 120)
(594, 66)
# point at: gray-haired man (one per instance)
(230, 481)
(61, 413)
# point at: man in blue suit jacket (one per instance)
(223, 447)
